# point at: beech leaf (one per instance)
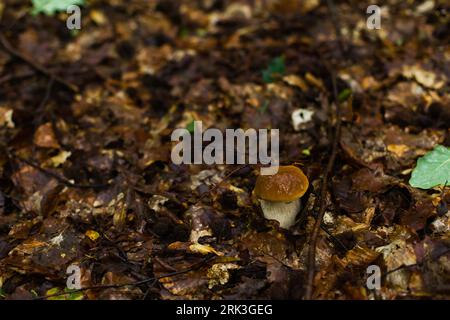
(50, 7)
(432, 169)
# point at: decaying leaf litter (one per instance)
(86, 176)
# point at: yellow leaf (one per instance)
(98, 17)
(296, 81)
(203, 249)
(93, 235)
(54, 291)
(6, 118)
(177, 245)
(398, 149)
(314, 81)
(60, 158)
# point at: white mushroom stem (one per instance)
(283, 212)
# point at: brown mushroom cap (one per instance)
(288, 184)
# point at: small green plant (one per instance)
(344, 95)
(50, 7)
(433, 169)
(275, 69)
(306, 152)
(74, 32)
(183, 32)
(264, 106)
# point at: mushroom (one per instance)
(279, 194)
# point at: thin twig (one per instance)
(313, 240)
(11, 50)
(428, 257)
(58, 177)
(337, 26)
(41, 107)
(333, 237)
(218, 184)
(194, 267)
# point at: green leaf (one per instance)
(264, 107)
(191, 126)
(74, 295)
(275, 69)
(201, 32)
(52, 292)
(306, 152)
(2, 293)
(50, 7)
(432, 169)
(344, 95)
(69, 294)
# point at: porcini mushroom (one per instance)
(279, 194)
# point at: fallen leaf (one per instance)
(432, 170)
(93, 235)
(45, 137)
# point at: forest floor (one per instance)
(86, 176)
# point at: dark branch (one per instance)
(323, 193)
